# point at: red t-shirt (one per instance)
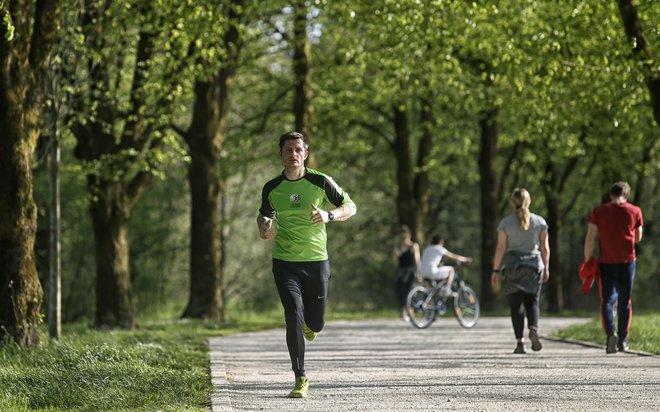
(616, 230)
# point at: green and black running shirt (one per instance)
(289, 202)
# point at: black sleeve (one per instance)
(332, 191)
(266, 208)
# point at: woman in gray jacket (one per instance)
(521, 259)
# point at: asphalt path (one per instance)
(387, 365)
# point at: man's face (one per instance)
(293, 153)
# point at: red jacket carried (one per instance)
(589, 271)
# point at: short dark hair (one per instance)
(620, 189)
(436, 239)
(293, 136)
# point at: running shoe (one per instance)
(536, 342)
(310, 335)
(612, 340)
(300, 390)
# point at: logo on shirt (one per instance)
(295, 200)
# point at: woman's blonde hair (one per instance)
(520, 200)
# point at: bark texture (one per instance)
(24, 58)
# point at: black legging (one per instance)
(522, 303)
(303, 290)
(402, 283)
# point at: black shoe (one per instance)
(536, 342)
(612, 341)
(622, 345)
(520, 348)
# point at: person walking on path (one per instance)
(432, 259)
(618, 226)
(295, 207)
(407, 255)
(522, 258)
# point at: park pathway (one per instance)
(387, 365)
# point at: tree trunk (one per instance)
(205, 138)
(110, 216)
(405, 199)
(24, 59)
(554, 286)
(21, 294)
(413, 186)
(303, 108)
(421, 182)
(489, 200)
(204, 144)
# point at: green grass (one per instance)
(644, 333)
(160, 366)
(163, 365)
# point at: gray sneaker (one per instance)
(612, 340)
(622, 345)
(536, 342)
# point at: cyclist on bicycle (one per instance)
(431, 263)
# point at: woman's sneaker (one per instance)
(300, 390)
(520, 348)
(536, 342)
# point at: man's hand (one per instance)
(319, 215)
(266, 229)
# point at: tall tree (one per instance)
(642, 53)
(303, 107)
(119, 127)
(27, 34)
(397, 84)
(205, 137)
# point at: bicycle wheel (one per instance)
(420, 307)
(466, 306)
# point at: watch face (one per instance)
(331, 217)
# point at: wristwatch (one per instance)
(331, 217)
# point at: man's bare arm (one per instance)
(343, 212)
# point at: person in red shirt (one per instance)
(618, 226)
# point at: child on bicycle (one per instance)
(431, 263)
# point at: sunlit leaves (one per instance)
(7, 24)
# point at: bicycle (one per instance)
(424, 303)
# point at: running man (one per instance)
(295, 207)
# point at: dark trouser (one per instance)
(522, 303)
(402, 282)
(616, 286)
(303, 289)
